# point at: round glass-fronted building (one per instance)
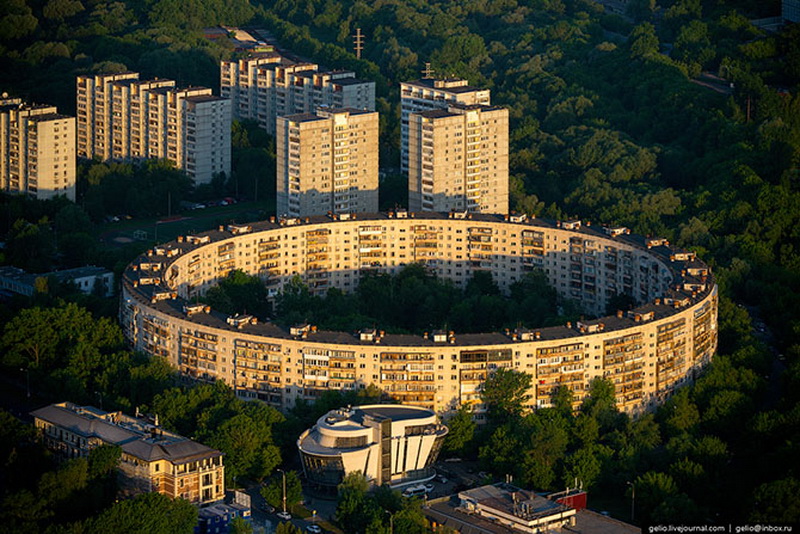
(389, 443)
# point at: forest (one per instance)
(613, 119)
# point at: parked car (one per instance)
(428, 488)
(415, 491)
(313, 529)
(441, 479)
(286, 516)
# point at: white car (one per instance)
(428, 488)
(313, 529)
(286, 516)
(415, 491)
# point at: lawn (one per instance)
(189, 222)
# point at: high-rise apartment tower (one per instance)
(37, 150)
(327, 162)
(458, 159)
(266, 87)
(123, 118)
(427, 94)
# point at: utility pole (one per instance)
(358, 41)
(633, 498)
(284, 488)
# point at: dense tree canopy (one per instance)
(612, 119)
(414, 300)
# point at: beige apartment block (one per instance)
(428, 94)
(37, 150)
(123, 118)
(327, 162)
(264, 88)
(647, 352)
(238, 81)
(95, 114)
(458, 159)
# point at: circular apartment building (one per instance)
(646, 352)
(391, 444)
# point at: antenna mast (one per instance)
(427, 72)
(358, 41)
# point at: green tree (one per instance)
(680, 414)
(30, 246)
(62, 9)
(287, 528)
(16, 20)
(503, 451)
(461, 431)
(239, 293)
(355, 511)
(273, 492)
(643, 41)
(240, 526)
(549, 437)
(601, 401)
(505, 393)
(774, 501)
(582, 466)
(151, 513)
(103, 460)
(248, 448)
(653, 488)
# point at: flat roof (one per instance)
(429, 83)
(78, 272)
(204, 98)
(48, 117)
(446, 512)
(352, 418)
(394, 412)
(304, 117)
(510, 500)
(217, 320)
(351, 81)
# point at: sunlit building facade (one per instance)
(327, 162)
(458, 159)
(265, 87)
(388, 443)
(123, 118)
(152, 459)
(429, 94)
(37, 150)
(646, 352)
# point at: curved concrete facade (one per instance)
(647, 352)
(391, 444)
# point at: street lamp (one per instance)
(284, 488)
(633, 497)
